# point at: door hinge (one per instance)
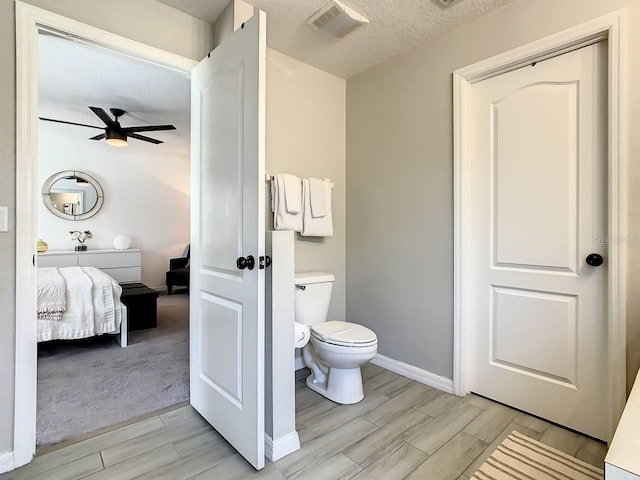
(264, 262)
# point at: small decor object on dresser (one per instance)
(42, 246)
(81, 237)
(121, 242)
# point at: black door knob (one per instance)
(246, 262)
(594, 259)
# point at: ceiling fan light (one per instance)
(116, 138)
(116, 142)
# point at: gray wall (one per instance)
(7, 240)
(147, 21)
(305, 136)
(306, 124)
(223, 25)
(400, 178)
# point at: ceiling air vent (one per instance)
(446, 3)
(336, 19)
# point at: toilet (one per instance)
(335, 350)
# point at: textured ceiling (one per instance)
(396, 27)
(73, 76)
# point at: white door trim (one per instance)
(29, 20)
(610, 27)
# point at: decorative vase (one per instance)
(42, 246)
(80, 248)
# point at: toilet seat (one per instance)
(344, 334)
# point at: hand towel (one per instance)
(318, 226)
(318, 197)
(292, 192)
(282, 219)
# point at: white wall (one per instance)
(306, 124)
(146, 196)
(400, 178)
(147, 21)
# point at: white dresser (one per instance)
(123, 265)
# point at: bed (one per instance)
(79, 302)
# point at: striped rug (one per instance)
(522, 458)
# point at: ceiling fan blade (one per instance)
(98, 137)
(102, 115)
(70, 123)
(148, 128)
(143, 138)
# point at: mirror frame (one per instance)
(46, 194)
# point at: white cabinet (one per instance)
(123, 265)
(622, 461)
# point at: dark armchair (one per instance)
(178, 274)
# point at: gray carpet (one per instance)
(87, 385)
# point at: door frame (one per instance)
(29, 20)
(609, 27)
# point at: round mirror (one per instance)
(72, 195)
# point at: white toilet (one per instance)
(335, 350)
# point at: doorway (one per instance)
(242, 56)
(30, 22)
(86, 382)
(541, 151)
(497, 298)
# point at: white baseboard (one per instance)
(282, 446)
(7, 462)
(414, 373)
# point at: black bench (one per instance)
(142, 305)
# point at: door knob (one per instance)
(246, 262)
(594, 259)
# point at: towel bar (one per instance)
(267, 178)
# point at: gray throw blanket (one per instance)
(52, 294)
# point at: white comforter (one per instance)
(93, 306)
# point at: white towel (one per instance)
(87, 298)
(104, 314)
(52, 294)
(292, 192)
(282, 218)
(316, 226)
(317, 192)
(77, 321)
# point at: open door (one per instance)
(227, 238)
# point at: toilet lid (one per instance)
(343, 333)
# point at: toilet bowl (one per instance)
(336, 350)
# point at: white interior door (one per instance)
(539, 196)
(227, 303)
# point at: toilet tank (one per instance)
(312, 296)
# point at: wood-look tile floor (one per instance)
(401, 430)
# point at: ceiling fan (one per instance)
(115, 134)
